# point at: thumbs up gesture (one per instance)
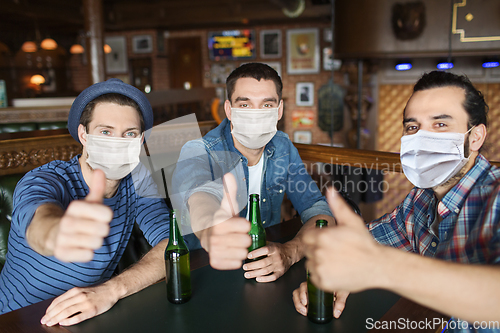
(345, 256)
(84, 225)
(227, 240)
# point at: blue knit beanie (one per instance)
(111, 86)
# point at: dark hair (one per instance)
(254, 70)
(119, 99)
(474, 103)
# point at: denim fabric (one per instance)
(203, 162)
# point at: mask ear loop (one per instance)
(470, 129)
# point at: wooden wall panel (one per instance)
(392, 101)
(491, 149)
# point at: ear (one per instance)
(82, 135)
(477, 137)
(227, 109)
(280, 110)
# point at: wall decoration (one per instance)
(473, 23)
(408, 20)
(304, 94)
(302, 51)
(231, 45)
(220, 72)
(142, 44)
(302, 118)
(116, 61)
(276, 65)
(270, 44)
(331, 99)
(302, 137)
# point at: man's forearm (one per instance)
(41, 232)
(147, 271)
(202, 207)
(469, 292)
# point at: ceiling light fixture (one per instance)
(403, 66)
(48, 44)
(107, 49)
(37, 79)
(76, 49)
(29, 47)
(490, 63)
(444, 65)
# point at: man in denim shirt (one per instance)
(271, 167)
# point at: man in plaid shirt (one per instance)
(451, 218)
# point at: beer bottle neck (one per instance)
(254, 214)
(175, 235)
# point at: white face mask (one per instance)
(117, 157)
(430, 159)
(254, 128)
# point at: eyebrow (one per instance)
(245, 99)
(441, 116)
(111, 127)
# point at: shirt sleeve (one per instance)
(196, 171)
(33, 190)
(302, 191)
(200, 169)
(152, 211)
(390, 229)
(492, 219)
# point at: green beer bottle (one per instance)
(257, 231)
(320, 304)
(177, 265)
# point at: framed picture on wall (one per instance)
(142, 44)
(302, 51)
(116, 60)
(304, 94)
(270, 44)
(220, 72)
(276, 65)
(302, 137)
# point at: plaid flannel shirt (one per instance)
(470, 228)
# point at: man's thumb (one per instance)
(229, 203)
(341, 210)
(97, 187)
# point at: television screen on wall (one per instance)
(231, 44)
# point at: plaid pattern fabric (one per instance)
(470, 228)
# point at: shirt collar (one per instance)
(455, 198)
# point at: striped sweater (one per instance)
(29, 277)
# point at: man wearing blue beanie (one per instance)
(72, 219)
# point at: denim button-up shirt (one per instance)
(283, 172)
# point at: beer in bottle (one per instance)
(320, 304)
(257, 231)
(177, 265)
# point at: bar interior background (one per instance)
(160, 45)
